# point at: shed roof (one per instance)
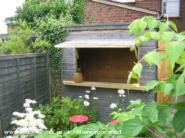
(98, 36)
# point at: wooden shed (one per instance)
(102, 53)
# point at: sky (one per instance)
(7, 9)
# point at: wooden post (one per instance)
(1, 125)
(162, 74)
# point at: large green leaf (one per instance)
(167, 36)
(89, 130)
(155, 35)
(164, 110)
(173, 51)
(150, 113)
(132, 127)
(137, 27)
(165, 87)
(137, 69)
(151, 22)
(152, 58)
(180, 105)
(151, 85)
(173, 26)
(180, 85)
(179, 121)
(163, 26)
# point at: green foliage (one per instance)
(19, 40)
(48, 134)
(33, 10)
(58, 111)
(153, 119)
(158, 119)
(148, 28)
(47, 18)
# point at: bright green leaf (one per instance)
(155, 35)
(167, 36)
(132, 127)
(152, 58)
(163, 26)
(151, 85)
(180, 86)
(173, 51)
(137, 69)
(151, 22)
(164, 110)
(173, 26)
(167, 88)
(150, 113)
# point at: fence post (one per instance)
(19, 79)
(34, 78)
(1, 125)
(49, 76)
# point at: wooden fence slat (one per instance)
(22, 76)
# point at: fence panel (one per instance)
(21, 77)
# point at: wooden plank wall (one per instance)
(21, 77)
(106, 64)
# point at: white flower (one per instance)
(86, 96)
(29, 123)
(119, 109)
(26, 105)
(95, 98)
(9, 137)
(28, 109)
(88, 91)
(80, 96)
(93, 88)
(131, 101)
(113, 105)
(17, 114)
(86, 103)
(121, 91)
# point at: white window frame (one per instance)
(164, 7)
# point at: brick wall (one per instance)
(103, 13)
(180, 21)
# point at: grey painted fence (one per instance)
(21, 77)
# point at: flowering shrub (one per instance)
(29, 123)
(87, 97)
(59, 110)
(120, 105)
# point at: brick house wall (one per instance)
(96, 12)
(180, 21)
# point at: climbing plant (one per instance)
(47, 19)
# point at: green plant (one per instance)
(158, 120)
(19, 40)
(48, 134)
(47, 18)
(153, 119)
(59, 110)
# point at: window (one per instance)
(106, 64)
(171, 8)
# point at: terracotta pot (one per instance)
(78, 77)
